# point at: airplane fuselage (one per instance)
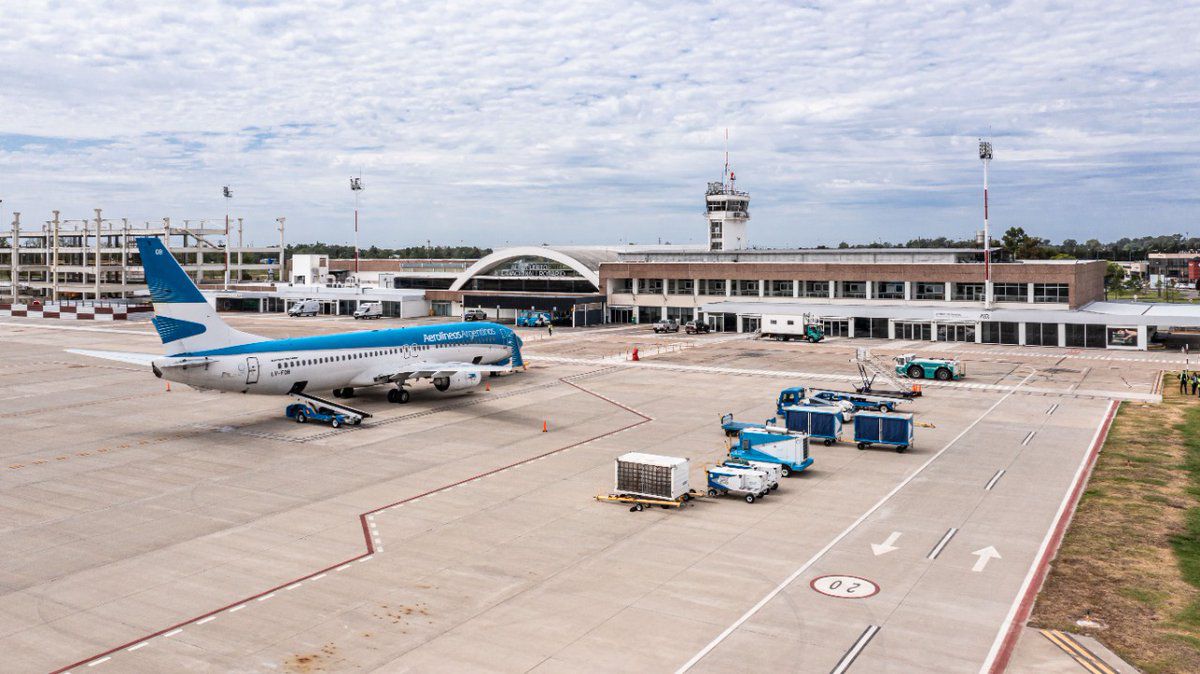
(327, 362)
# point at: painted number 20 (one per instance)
(844, 587)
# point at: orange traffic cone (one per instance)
(487, 385)
(168, 387)
(544, 428)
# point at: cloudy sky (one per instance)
(598, 122)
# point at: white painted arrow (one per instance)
(985, 555)
(886, 546)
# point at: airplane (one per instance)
(204, 352)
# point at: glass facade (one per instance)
(745, 288)
(1010, 292)
(889, 290)
(928, 290)
(1051, 292)
(815, 289)
(852, 289)
(712, 286)
(780, 288)
(968, 292)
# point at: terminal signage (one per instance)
(524, 268)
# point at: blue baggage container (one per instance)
(823, 423)
(878, 428)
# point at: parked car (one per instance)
(368, 311)
(303, 412)
(696, 328)
(474, 315)
(667, 325)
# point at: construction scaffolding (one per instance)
(94, 259)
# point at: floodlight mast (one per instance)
(228, 194)
(985, 155)
(356, 187)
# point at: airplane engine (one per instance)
(459, 381)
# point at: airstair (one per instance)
(872, 367)
(340, 408)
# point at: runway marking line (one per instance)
(941, 544)
(1018, 614)
(844, 533)
(1078, 652)
(173, 632)
(136, 646)
(373, 544)
(995, 478)
(859, 644)
(206, 620)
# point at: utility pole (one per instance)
(228, 195)
(54, 260)
(356, 187)
(239, 257)
(985, 155)
(99, 229)
(16, 250)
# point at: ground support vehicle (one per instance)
(877, 428)
(769, 476)
(732, 428)
(667, 325)
(749, 485)
(304, 308)
(861, 401)
(696, 328)
(640, 503)
(368, 311)
(787, 328)
(312, 408)
(916, 367)
(474, 315)
(786, 449)
(650, 479)
(533, 319)
(821, 422)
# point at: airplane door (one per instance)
(251, 370)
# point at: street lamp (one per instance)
(985, 155)
(356, 187)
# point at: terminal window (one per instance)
(889, 290)
(682, 286)
(970, 292)
(653, 286)
(816, 289)
(745, 288)
(711, 286)
(780, 288)
(852, 289)
(1011, 292)
(1051, 292)
(624, 285)
(929, 291)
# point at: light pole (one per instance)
(228, 195)
(356, 187)
(985, 155)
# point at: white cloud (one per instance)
(588, 121)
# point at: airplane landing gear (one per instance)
(398, 395)
(343, 393)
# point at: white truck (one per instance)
(772, 472)
(368, 310)
(748, 484)
(789, 327)
(305, 308)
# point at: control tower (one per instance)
(728, 211)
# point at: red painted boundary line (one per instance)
(1060, 528)
(362, 518)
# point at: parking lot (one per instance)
(152, 530)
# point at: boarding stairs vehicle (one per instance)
(872, 367)
(311, 407)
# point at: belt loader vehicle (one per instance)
(774, 445)
(750, 485)
(732, 428)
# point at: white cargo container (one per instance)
(652, 476)
(773, 471)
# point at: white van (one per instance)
(305, 308)
(368, 310)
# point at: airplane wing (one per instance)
(121, 356)
(433, 371)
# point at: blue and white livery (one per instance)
(204, 352)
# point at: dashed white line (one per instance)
(173, 632)
(941, 545)
(342, 567)
(366, 559)
(319, 577)
(995, 478)
(851, 655)
(136, 646)
(266, 597)
(237, 608)
(293, 586)
(104, 659)
(1028, 438)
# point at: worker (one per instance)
(549, 329)
(1195, 380)
(1183, 377)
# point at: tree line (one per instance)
(337, 251)
(1024, 246)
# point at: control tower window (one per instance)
(715, 227)
(716, 245)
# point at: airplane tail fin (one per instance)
(184, 319)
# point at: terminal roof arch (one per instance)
(583, 260)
